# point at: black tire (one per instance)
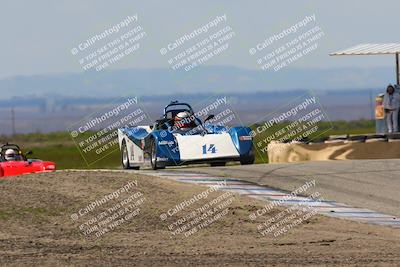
(153, 158)
(217, 164)
(357, 138)
(248, 159)
(125, 158)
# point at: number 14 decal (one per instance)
(211, 149)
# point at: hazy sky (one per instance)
(37, 36)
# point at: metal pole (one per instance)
(371, 106)
(14, 132)
(397, 69)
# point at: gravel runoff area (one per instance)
(42, 217)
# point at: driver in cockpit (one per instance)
(10, 155)
(184, 121)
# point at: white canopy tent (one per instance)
(373, 49)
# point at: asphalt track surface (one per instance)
(372, 184)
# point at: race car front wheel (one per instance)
(125, 157)
(248, 159)
(153, 156)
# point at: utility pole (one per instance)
(13, 122)
(371, 105)
(397, 69)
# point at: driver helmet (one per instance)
(10, 155)
(184, 120)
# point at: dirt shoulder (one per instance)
(36, 228)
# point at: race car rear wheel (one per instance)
(153, 156)
(125, 157)
(248, 159)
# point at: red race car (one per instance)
(14, 162)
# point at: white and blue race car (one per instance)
(172, 143)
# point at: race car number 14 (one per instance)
(211, 149)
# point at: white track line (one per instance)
(323, 207)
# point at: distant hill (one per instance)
(57, 113)
(53, 102)
(202, 80)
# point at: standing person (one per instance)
(391, 104)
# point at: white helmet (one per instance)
(184, 120)
(10, 155)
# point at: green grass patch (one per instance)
(60, 148)
(4, 215)
(29, 211)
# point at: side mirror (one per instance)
(210, 117)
